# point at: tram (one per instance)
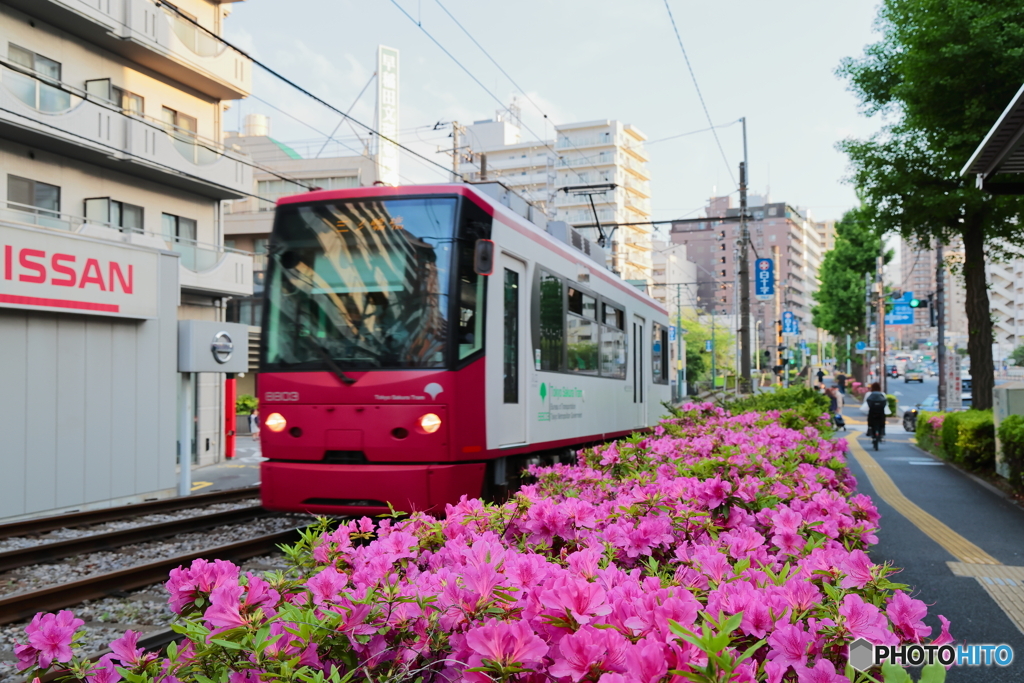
(421, 343)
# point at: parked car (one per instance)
(913, 373)
(910, 413)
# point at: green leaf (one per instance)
(933, 673)
(894, 674)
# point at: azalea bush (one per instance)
(717, 548)
(928, 431)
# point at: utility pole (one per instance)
(778, 316)
(940, 303)
(744, 272)
(714, 349)
(680, 360)
(455, 151)
(881, 323)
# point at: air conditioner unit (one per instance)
(1007, 399)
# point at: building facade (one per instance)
(587, 153)
(712, 245)
(110, 126)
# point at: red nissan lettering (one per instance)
(55, 264)
(23, 259)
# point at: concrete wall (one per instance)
(87, 411)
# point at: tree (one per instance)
(840, 295)
(698, 330)
(941, 74)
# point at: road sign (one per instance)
(789, 324)
(764, 279)
(707, 345)
(860, 346)
(672, 333)
(902, 314)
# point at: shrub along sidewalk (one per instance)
(719, 547)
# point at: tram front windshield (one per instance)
(360, 284)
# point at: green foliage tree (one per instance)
(1018, 355)
(940, 76)
(698, 330)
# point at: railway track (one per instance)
(24, 605)
(76, 519)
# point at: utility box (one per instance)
(1007, 399)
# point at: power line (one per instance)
(298, 87)
(692, 132)
(697, 88)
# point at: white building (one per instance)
(673, 276)
(588, 153)
(110, 126)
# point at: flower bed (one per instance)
(718, 548)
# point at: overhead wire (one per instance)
(703, 105)
(296, 86)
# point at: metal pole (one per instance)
(849, 351)
(778, 312)
(881, 324)
(940, 310)
(714, 349)
(744, 273)
(680, 360)
(185, 437)
(455, 151)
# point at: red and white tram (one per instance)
(392, 371)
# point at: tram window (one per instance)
(582, 345)
(614, 317)
(511, 346)
(613, 352)
(582, 304)
(659, 354)
(552, 323)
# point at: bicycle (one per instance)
(877, 436)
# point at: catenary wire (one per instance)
(693, 77)
(296, 86)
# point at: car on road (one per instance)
(966, 393)
(910, 413)
(913, 373)
(892, 370)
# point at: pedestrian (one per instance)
(821, 376)
(254, 424)
(841, 381)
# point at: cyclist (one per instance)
(877, 405)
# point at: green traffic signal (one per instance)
(914, 303)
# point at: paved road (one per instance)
(242, 470)
(960, 544)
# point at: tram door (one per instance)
(639, 376)
(514, 302)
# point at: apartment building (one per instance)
(673, 276)
(587, 153)
(283, 170)
(110, 129)
(713, 246)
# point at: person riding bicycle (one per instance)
(877, 405)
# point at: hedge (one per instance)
(968, 438)
(929, 431)
(1011, 437)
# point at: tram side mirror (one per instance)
(483, 257)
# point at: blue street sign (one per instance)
(764, 279)
(902, 314)
(861, 346)
(707, 345)
(672, 333)
(789, 324)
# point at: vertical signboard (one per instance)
(387, 115)
(954, 394)
(764, 279)
(789, 324)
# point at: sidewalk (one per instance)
(960, 544)
(241, 471)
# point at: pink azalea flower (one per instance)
(224, 607)
(126, 651)
(326, 585)
(590, 649)
(857, 568)
(51, 635)
(823, 672)
(104, 671)
(580, 599)
(906, 615)
(505, 642)
(789, 644)
(864, 620)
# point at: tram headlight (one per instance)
(275, 422)
(430, 423)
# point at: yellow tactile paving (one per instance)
(1004, 584)
(957, 546)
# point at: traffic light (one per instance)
(896, 295)
(915, 303)
(933, 312)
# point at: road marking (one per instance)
(1004, 584)
(196, 485)
(957, 546)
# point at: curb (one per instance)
(973, 477)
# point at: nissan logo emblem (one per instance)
(222, 347)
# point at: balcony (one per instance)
(56, 117)
(153, 36)
(203, 268)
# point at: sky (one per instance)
(771, 62)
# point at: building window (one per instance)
(182, 124)
(33, 196)
(127, 101)
(42, 92)
(117, 214)
(552, 322)
(722, 260)
(721, 247)
(178, 229)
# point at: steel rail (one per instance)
(73, 519)
(21, 606)
(58, 550)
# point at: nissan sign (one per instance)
(205, 346)
(222, 347)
